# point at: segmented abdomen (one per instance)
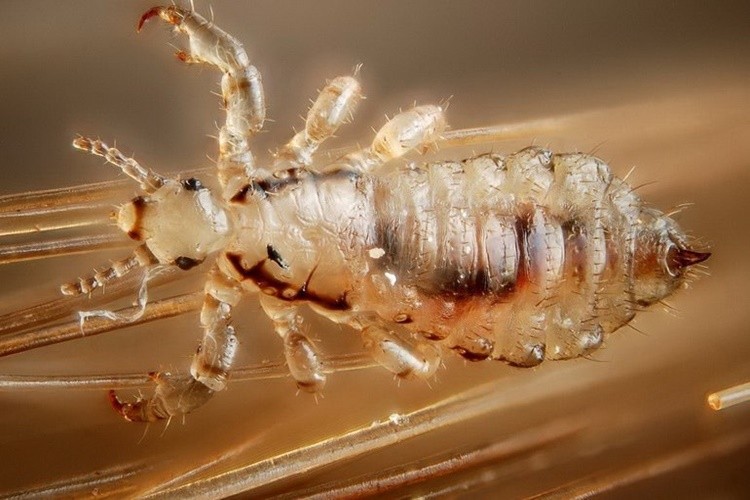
(519, 258)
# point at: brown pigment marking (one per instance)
(275, 185)
(276, 257)
(522, 227)
(478, 284)
(275, 287)
(307, 386)
(139, 206)
(241, 195)
(294, 176)
(450, 281)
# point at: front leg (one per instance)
(241, 89)
(212, 362)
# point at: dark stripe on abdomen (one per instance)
(477, 255)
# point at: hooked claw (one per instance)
(142, 410)
(171, 14)
(138, 411)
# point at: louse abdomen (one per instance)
(519, 258)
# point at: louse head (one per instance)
(662, 257)
(180, 223)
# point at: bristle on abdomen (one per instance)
(526, 257)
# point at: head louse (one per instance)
(518, 258)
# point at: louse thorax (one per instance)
(181, 223)
(662, 257)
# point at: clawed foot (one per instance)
(173, 396)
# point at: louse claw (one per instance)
(171, 14)
(132, 412)
(174, 395)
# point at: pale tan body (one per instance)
(516, 258)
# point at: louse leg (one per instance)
(142, 257)
(334, 106)
(416, 128)
(212, 362)
(400, 357)
(241, 88)
(148, 180)
(302, 359)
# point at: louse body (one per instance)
(518, 258)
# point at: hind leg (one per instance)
(410, 130)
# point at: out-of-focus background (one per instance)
(662, 86)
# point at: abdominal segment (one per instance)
(519, 258)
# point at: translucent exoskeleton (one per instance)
(519, 258)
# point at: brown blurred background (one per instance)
(664, 86)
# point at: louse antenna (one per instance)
(141, 257)
(148, 180)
